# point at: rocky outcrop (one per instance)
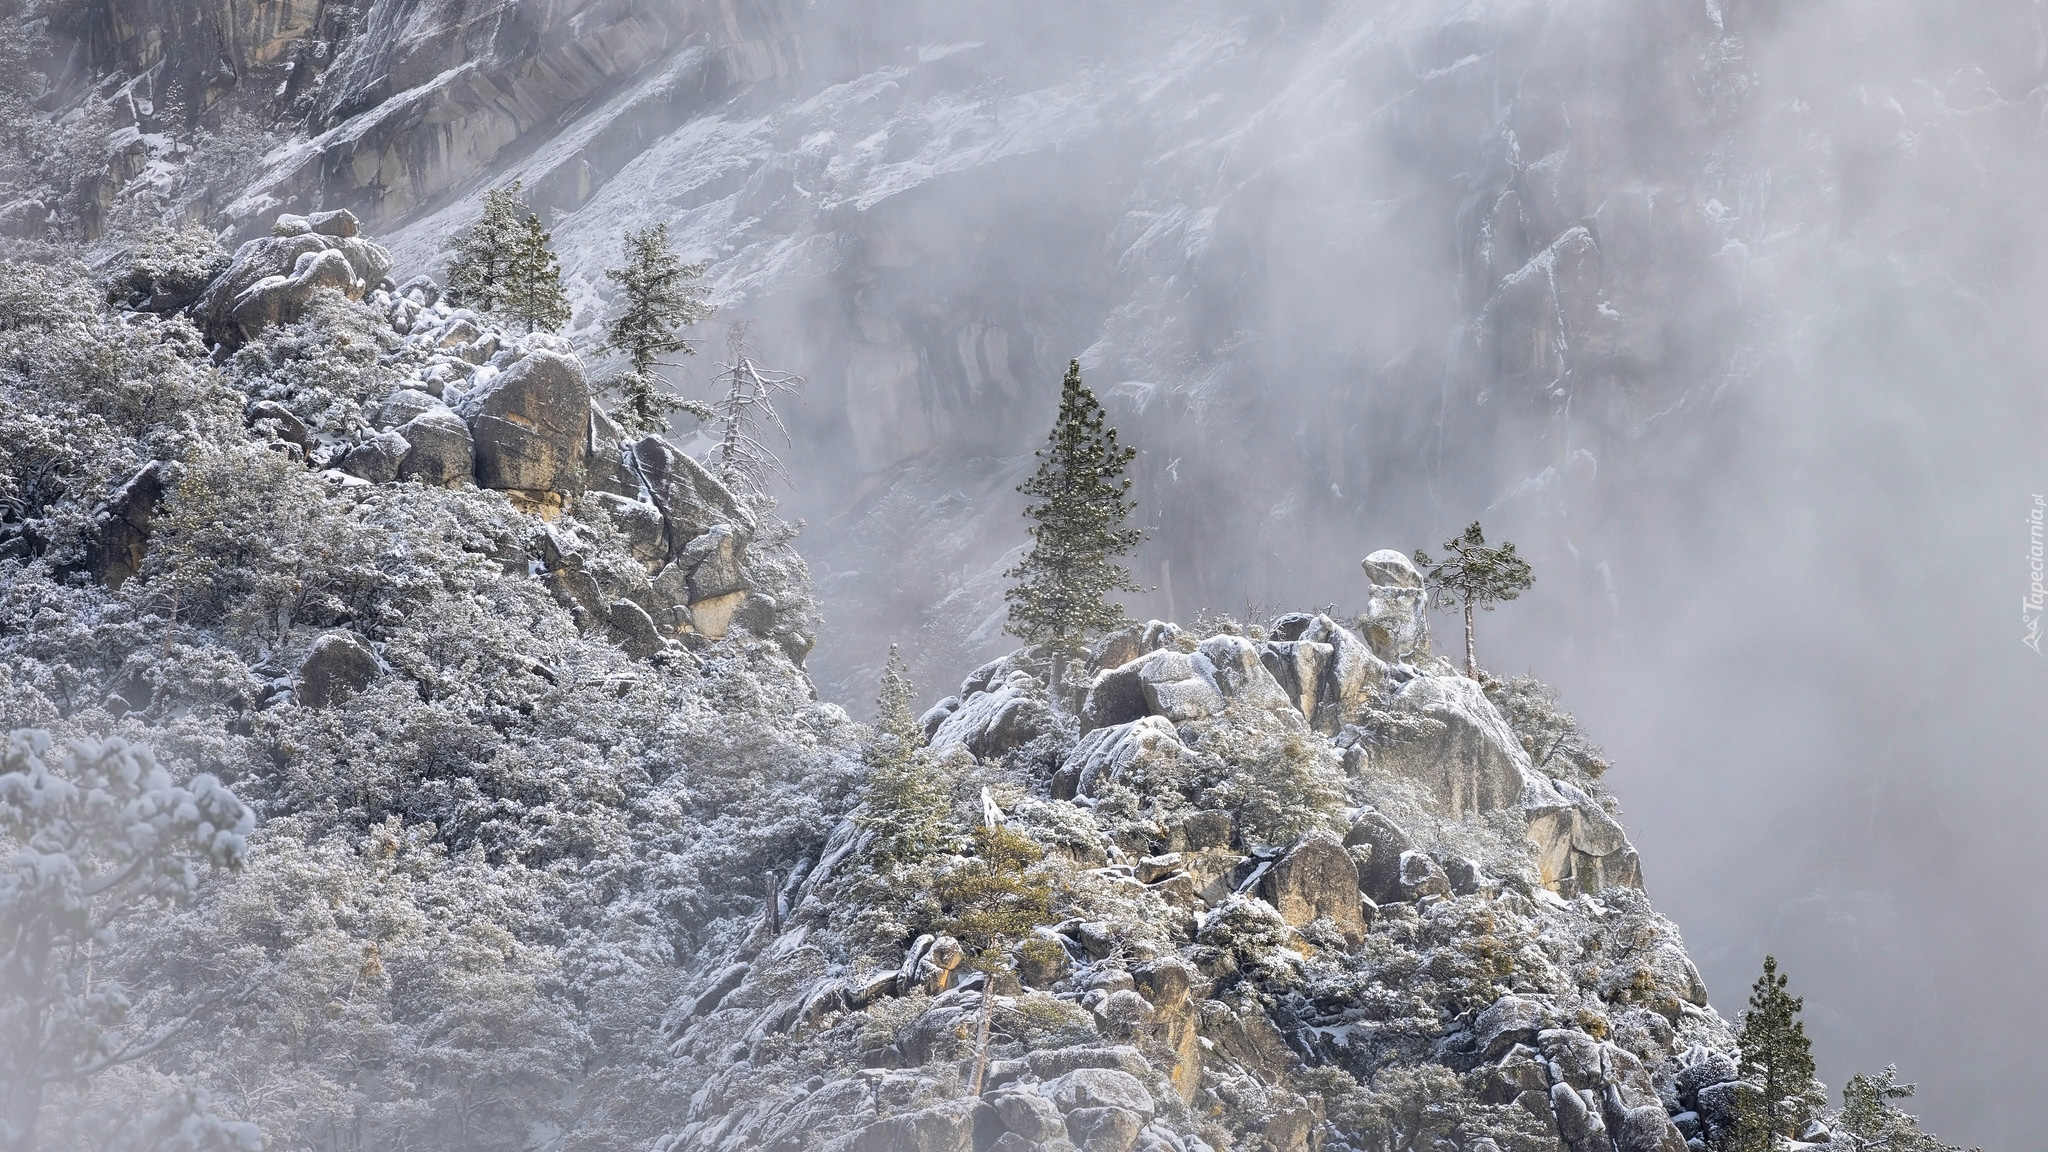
(271, 279)
(121, 527)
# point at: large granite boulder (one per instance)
(441, 452)
(1396, 620)
(1469, 758)
(1297, 666)
(531, 426)
(1314, 880)
(691, 499)
(1350, 678)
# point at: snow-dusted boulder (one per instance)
(441, 452)
(1396, 620)
(339, 665)
(1468, 757)
(1007, 716)
(1386, 842)
(1180, 686)
(1240, 675)
(377, 458)
(1315, 879)
(1297, 666)
(530, 424)
(271, 278)
(1108, 755)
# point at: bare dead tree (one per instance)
(747, 412)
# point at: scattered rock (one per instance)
(339, 665)
(281, 423)
(632, 629)
(377, 458)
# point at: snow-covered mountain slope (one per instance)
(1721, 311)
(555, 848)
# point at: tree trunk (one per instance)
(988, 1006)
(1471, 660)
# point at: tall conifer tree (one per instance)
(1778, 1058)
(1080, 499)
(479, 269)
(533, 279)
(1473, 575)
(659, 296)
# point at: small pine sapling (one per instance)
(659, 296)
(1874, 1124)
(1473, 575)
(992, 900)
(1080, 499)
(906, 801)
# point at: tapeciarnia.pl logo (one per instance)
(2030, 610)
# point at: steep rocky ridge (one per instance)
(1333, 911)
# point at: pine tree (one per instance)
(659, 297)
(1778, 1058)
(906, 802)
(1873, 1123)
(1475, 576)
(533, 280)
(479, 269)
(1080, 500)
